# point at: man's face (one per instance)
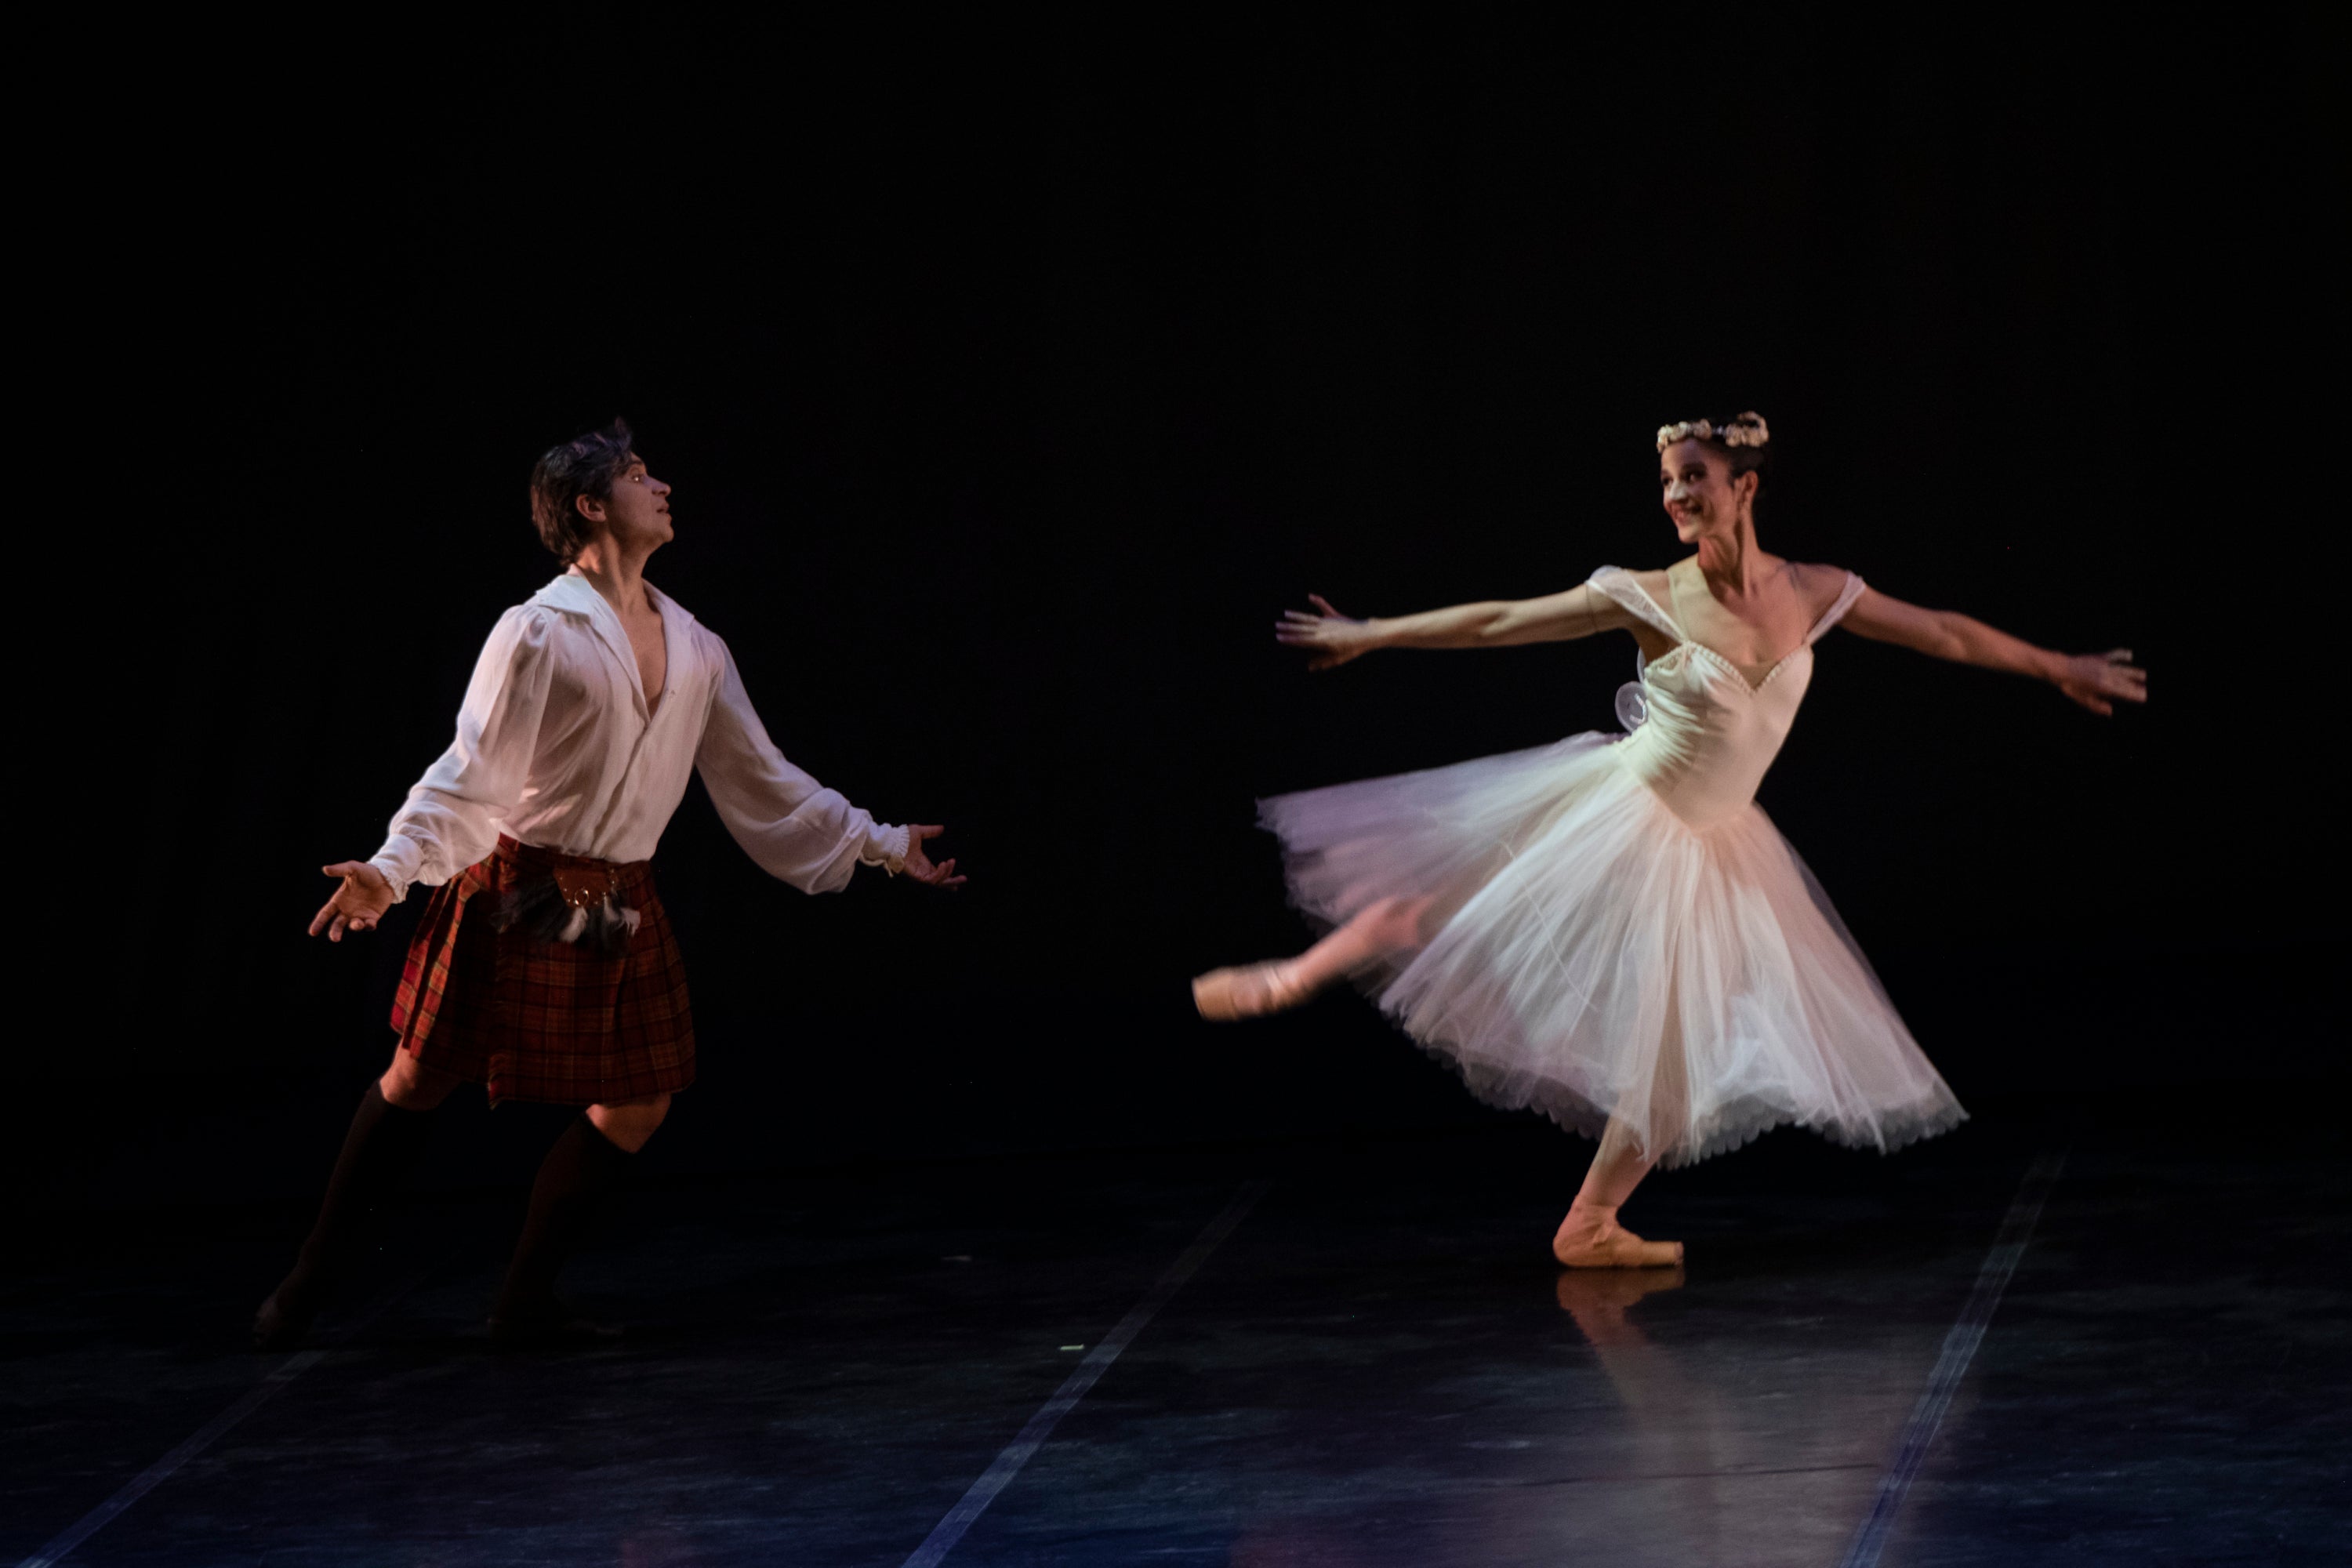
(637, 516)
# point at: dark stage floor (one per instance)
(1370, 1361)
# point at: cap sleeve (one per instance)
(1836, 612)
(1619, 584)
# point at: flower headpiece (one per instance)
(1747, 430)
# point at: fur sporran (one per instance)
(579, 905)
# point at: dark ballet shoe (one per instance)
(284, 1318)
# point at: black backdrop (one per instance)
(1012, 380)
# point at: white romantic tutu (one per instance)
(1589, 954)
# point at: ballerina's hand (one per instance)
(357, 905)
(2097, 680)
(1329, 637)
(918, 865)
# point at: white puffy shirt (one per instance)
(555, 748)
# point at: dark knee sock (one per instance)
(380, 1150)
(578, 1181)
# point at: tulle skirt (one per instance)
(1589, 954)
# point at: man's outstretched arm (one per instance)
(450, 818)
(798, 831)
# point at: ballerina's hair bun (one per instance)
(1748, 430)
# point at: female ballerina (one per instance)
(1608, 929)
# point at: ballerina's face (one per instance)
(1700, 494)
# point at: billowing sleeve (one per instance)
(451, 817)
(798, 831)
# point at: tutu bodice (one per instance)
(1710, 736)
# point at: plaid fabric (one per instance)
(545, 1021)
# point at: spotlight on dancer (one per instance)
(543, 968)
(1608, 929)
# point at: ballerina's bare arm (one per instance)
(2096, 680)
(1331, 638)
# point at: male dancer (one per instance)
(544, 968)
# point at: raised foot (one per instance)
(1247, 991)
(1611, 1245)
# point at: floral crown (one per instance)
(1747, 430)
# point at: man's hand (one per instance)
(2098, 680)
(357, 905)
(918, 865)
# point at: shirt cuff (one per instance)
(886, 846)
(400, 859)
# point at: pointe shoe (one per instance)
(1598, 1241)
(1248, 991)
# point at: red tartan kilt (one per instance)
(547, 1021)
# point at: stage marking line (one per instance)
(62, 1545)
(1959, 1349)
(997, 1477)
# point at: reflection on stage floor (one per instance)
(1376, 1364)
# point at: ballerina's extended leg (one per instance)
(1253, 990)
(1591, 1237)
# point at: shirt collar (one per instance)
(574, 594)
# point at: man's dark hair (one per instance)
(584, 465)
